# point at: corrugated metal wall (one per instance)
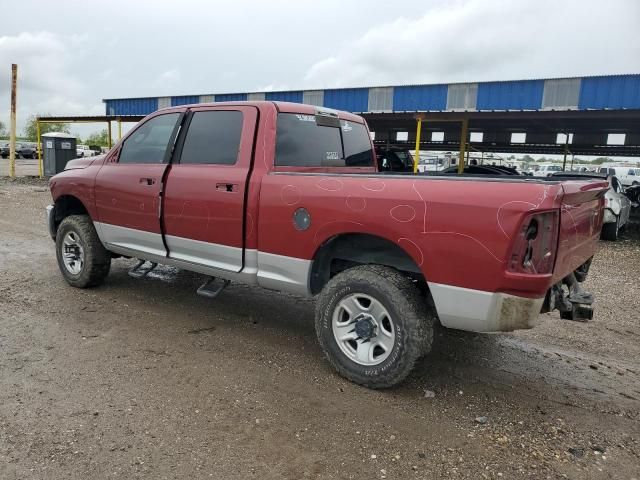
(284, 96)
(131, 106)
(164, 102)
(420, 97)
(380, 99)
(619, 91)
(184, 100)
(561, 93)
(313, 97)
(231, 97)
(351, 99)
(462, 96)
(515, 95)
(607, 92)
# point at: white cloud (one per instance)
(490, 40)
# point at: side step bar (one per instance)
(212, 291)
(139, 272)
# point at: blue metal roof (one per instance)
(603, 92)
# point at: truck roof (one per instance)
(284, 107)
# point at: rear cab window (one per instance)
(322, 142)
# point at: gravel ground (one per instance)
(142, 378)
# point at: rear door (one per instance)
(129, 185)
(204, 200)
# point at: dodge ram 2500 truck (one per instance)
(288, 197)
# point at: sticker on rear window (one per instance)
(333, 156)
(306, 118)
(346, 127)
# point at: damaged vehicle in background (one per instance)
(617, 206)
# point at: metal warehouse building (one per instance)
(551, 116)
(600, 93)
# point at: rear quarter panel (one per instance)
(459, 232)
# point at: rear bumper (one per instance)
(51, 224)
(479, 311)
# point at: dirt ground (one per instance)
(143, 378)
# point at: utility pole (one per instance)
(12, 121)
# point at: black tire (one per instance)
(610, 231)
(96, 259)
(413, 323)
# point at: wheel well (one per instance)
(68, 205)
(348, 250)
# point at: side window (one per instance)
(631, 172)
(213, 138)
(303, 141)
(148, 144)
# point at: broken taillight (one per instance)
(534, 250)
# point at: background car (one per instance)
(547, 170)
(4, 150)
(627, 175)
(617, 206)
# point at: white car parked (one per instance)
(627, 175)
(546, 170)
(84, 151)
(616, 209)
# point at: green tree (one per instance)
(31, 129)
(98, 138)
(3, 130)
(600, 160)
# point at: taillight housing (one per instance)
(534, 250)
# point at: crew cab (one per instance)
(288, 197)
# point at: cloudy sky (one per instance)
(71, 55)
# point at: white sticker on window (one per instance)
(306, 118)
(333, 156)
(346, 127)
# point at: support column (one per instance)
(39, 148)
(416, 155)
(566, 150)
(119, 129)
(463, 144)
(109, 134)
(12, 121)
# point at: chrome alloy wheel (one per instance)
(72, 253)
(363, 329)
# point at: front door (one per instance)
(129, 185)
(204, 209)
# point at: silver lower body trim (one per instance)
(276, 272)
(114, 236)
(479, 311)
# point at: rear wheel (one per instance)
(610, 230)
(373, 324)
(82, 259)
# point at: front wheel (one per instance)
(373, 324)
(82, 259)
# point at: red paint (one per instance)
(459, 231)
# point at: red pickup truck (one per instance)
(288, 197)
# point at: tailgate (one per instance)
(581, 215)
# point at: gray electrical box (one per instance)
(58, 148)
